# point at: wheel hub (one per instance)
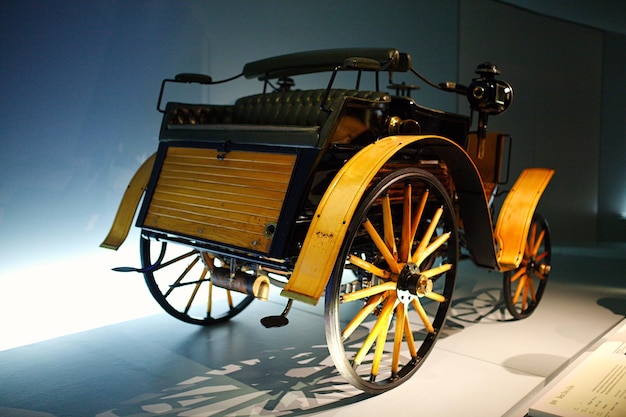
(541, 268)
(411, 283)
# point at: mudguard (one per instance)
(330, 223)
(516, 216)
(128, 206)
(333, 215)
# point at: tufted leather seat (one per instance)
(292, 108)
(284, 117)
(283, 108)
(200, 115)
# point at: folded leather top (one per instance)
(390, 59)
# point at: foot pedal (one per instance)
(278, 321)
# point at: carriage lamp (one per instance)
(488, 96)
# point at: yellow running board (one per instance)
(128, 206)
(516, 216)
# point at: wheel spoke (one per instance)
(181, 276)
(381, 322)
(390, 240)
(178, 259)
(531, 289)
(195, 290)
(430, 249)
(417, 217)
(423, 316)
(397, 341)
(229, 298)
(380, 343)
(541, 256)
(367, 309)
(408, 335)
(538, 243)
(421, 248)
(210, 300)
(373, 269)
(518, 274)
(407, 237)
(520, 285)
(438, 270)
(381, 246)
(435, 297)
(367, 292)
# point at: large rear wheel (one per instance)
(182, 284)
(392, 285)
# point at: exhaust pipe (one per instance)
(256, 285)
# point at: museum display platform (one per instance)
(483, 365)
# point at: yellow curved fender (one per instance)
(516, 216)
(128, 206)
(333, 215)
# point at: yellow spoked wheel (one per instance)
(391, 288)
(181, 282)
(524, 286)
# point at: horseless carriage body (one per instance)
(361, 196)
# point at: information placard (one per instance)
(596, 387)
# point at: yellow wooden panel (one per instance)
(203, 200)
(201, 166)
(214, 166)
(487, 156)
(221, 191)
(222, 175)
(128, 206)
(233, 157)
(516, 216)
(333, 215)
(229, 198)
(217, 233)
(192, 212)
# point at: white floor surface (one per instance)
(115, 354)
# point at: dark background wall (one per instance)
(555, 68)
(79, 82)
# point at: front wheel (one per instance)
(392, 285)
(524, 286)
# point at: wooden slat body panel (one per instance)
(228, 198)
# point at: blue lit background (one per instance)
(80, 82)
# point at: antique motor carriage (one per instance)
(358, 195)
